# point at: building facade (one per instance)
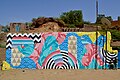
(17, 27)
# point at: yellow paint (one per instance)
(92, 36)
(5, 66)
(109, 48)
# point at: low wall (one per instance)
(60, 50)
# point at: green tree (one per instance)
(73, 17)
(6, 28)
(118, 18)
(33, 19)
(87, 22)
(109, 18)
(115, 34)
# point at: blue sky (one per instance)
(25, 10)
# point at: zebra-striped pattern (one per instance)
(109, 57)
(35, 36)
(66, 64)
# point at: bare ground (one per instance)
(60, 75)
(2, 54)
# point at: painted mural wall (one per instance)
(60, 50)
(119, 59)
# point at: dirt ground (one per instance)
(60, 75)
(25, 74)
(2, 54)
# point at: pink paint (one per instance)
(49, 56)
(91, 53)
(60, 37)
(21, 38)
(60, 64)
(38, 66)
(34, 56)
(50, 47)
(23, 46)
(73, 58)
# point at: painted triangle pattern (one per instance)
(16, 57)
(36, 37)
(72, 48)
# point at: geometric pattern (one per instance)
(63, 61)
(58, 50)
(28, 63)
(36, 37)
(72, 47)
(16, 57)
(109, 57)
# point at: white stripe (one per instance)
(9, 39)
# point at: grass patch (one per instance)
(2, 46)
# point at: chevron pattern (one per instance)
(35, 36)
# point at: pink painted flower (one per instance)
(91, 53)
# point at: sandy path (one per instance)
(60, 75)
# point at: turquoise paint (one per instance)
(50, 42)
(17, 28)
(57, 56)
(27, 50)
(51, 45)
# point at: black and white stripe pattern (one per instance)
(65, 59)
(109, 57)
(35, 36)
(9, 41)
(66, 65)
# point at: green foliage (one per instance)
(72, 18)
(116, 48)
(87, 22)
(29, 24)
(71, 26)
(115, 34)
(118, 18)
(109, 18)
(6, 28)
(2, 46)
(33, 19)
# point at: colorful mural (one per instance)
(119, 59)
(60, 50)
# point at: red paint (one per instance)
(91, 53)
(21, 38)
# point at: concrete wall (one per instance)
(60, 50)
